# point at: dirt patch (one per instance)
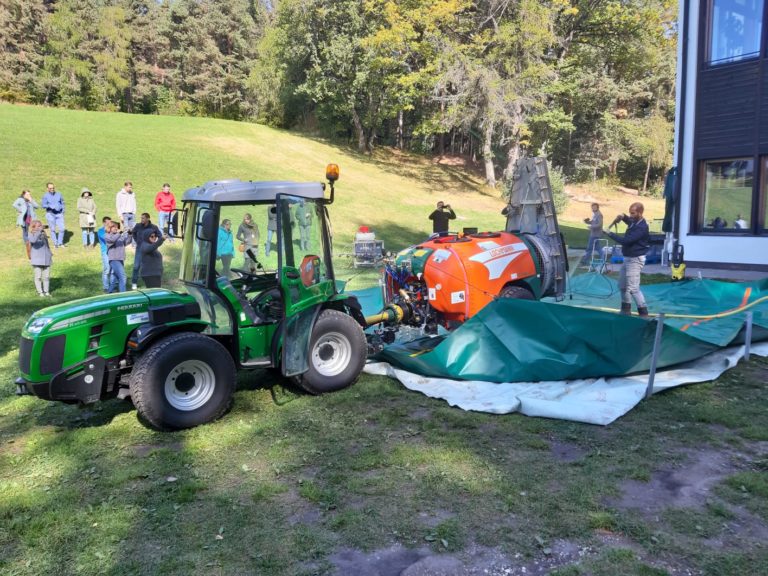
(420, 414)
(434, 517)
(390, 561)
(298, 510)
(450, 160)
(684, 486)
(565, 452)
(144, 450)
(475, 561)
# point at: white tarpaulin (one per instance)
(593, 401)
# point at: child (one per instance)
(40, 256)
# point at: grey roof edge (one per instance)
(249, 191)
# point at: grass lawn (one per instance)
(360, 481)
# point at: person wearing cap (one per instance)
(86, 208)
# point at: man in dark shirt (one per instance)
(634, 246)
(440, 218)
(140, 232)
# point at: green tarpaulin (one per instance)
(517, 340)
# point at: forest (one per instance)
(587, 83)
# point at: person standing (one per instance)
(595, 231)
(304, 218)
(106, 271)
(165, 204)
(53, 203)
(25, 212)
(140, 232)
(271, 228)
(151, 260)
(87, 210)
(125, 202)
(40, 256)
(116, 243)
(225, 247)
(440, 217)
(634, 246)
(248, 235)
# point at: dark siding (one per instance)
(763, 128)
(726, 110)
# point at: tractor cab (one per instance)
(257, 259)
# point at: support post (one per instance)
(655, 355)
(747, 334)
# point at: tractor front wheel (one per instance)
(182, 381)
(337, 351)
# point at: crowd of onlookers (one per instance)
(113, 237)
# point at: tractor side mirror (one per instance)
(206, 229)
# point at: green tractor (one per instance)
(177, 353)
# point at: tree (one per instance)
(21, 48)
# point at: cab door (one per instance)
(306, 281)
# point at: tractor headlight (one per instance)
(36, 326)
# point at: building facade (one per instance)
(721, 133)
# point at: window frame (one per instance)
(698, 224)
(759, 225)
(708, 44)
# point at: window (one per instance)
(726, 204)
(735, 30)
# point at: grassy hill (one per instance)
(389, 191)
(393, 193)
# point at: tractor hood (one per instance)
(133, 306)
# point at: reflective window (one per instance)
(246, 239)
(302, 230)
(197, 244)
(735, 30)
(727, 195)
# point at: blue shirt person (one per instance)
(53, 204)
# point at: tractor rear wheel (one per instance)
(182, 381)
(337, 351)
(518, 292)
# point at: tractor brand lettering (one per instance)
(76, 320)
(129, 306)
(139, 318)
(498, 258)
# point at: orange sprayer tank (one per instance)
(464, 274)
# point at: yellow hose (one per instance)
(694, 316)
